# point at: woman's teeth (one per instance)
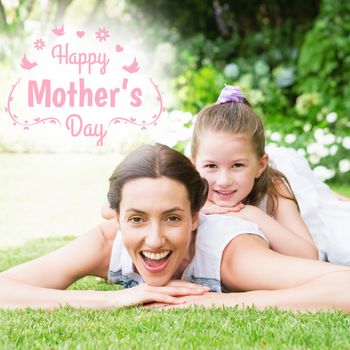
(156, 256)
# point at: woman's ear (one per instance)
(195, 221)
(264, 160)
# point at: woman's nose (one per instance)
(155, 238)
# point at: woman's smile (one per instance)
(156, 262)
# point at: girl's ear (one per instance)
(264, 160)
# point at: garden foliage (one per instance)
(291, 60)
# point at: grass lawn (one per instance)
(61, 195)
(137, 328)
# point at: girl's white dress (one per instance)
(327, 217)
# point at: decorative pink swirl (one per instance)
(143, 124)
(14, 117)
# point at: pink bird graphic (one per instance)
(58, 31)
(133, 68)
(26, 64)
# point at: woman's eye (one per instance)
(174, 218)
(135, 219)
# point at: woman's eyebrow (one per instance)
(172, 210)
(165, 212)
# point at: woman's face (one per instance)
(157, 224)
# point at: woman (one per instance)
(157, 195)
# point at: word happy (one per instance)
(80, 58)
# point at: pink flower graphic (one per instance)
(102, 34)
(39, 44)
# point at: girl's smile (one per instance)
(157, 227)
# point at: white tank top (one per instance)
(214, 233)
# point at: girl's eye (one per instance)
(238, 165)
(210, 166)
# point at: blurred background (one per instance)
(290, 58)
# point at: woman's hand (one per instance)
(211, 208)
(145, 294)
(207, 300)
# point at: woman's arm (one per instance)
(39, 283)
(276, 280)
(281, 239)
(17, 295)
(86, 255)
(324, 293)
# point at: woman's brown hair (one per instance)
(154, 161)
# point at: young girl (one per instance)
(228, 149)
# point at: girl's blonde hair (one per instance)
(240, 118)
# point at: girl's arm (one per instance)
(288, 215)
(281, 239)
(106, 212)
(39, 283)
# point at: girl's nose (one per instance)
(155, 238)
(223, 179)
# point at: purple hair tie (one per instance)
(230, 94)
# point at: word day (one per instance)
(89, 60)
(75, 124)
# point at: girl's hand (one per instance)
(211, 208)
(145, 294)
(107, 213)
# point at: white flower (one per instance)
(172, 129)
(314, 159)
(187, 150)
(275, 136)
(290, 138)
(231, 71)
(317, 149)
(301, 152)
(307, 127)
(179, 116)
(344, 165)
(331, 117)
(346, 142)
(333, 150)
(323, 138)
(323, 173)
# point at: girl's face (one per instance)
(156, 224)
(229, 164)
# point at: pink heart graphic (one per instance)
(80, 33)
(119, 48)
